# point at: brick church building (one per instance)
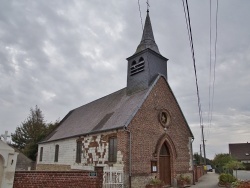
(139, 130)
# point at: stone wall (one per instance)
(52, 167)
(58, 179)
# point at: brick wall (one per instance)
(58, 179)
(148, 135)
(198, 172)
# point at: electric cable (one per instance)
(140, 14)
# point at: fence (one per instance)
(113, 178)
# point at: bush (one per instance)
(226, 178)
(155, 181)
(241, 184)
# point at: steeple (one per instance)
(147, 40)
(146, 63)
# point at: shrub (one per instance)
(226, 178)
(155, 181)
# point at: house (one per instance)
(23, 162)
(8, 158)
(139, 130)
(241, 152)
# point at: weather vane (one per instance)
(148, 6)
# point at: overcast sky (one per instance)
(60, 55)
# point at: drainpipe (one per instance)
(130, 161)
(192, 160)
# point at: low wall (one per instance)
(59, 179)
(198, 172)
(242, 174)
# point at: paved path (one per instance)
(209, 180)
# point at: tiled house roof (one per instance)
(113, 111)
(240, 151)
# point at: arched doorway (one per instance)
(1, 169)
(165, 165)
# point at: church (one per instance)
(139, 130)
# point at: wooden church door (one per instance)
(164, 165)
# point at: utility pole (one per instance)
(203, 141)
(200, 155)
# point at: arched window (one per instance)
(141, 59)
(112, 149)
(137, 67)
(164, 150)
(56, 152)
(41, 154)
(78, 151)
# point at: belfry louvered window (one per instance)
(137, 67)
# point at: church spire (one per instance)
(147, 40)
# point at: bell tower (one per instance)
(146, 63)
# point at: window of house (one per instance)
(78, 151)
(56, 152)
(41, 154)
(113, 149)
(137, 67)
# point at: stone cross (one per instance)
(5, 136)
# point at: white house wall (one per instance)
(66, 156)
(8, 158)
(94, 153)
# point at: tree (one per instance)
(234, 165)
(199, 160)
(220, 161)
(30, 132)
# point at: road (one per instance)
(209, 180)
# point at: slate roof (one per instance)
(240, 151)
(147, 40)
(110, 112)
(114, 111)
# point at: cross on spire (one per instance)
(5, 136)
(148, 6)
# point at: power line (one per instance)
(212, 83)
(188, 22)
(140, 14)
(215, 55)
(210, 60)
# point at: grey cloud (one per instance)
(63, 55)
